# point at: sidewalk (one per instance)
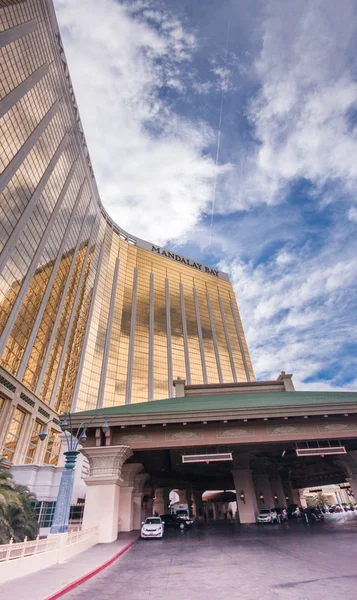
(46, 583)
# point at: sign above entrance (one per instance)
(182, 259)
(207, 458)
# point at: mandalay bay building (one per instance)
(90, 316)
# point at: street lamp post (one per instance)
(63, 503)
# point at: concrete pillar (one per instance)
(277, 490)
(103, 489)
(215, 512)
(138, 496)
(130, 473)
(243, 483)
(159, 501)
(167, 499)
(138, 516)
(126, 514)
(292, 495)
(296, 497)
(262, 487)
(198, 507)
(183, 495)
(148, 499)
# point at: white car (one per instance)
(152, 527)
(267, 515)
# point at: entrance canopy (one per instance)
(266, 426)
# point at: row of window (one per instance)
(13, 436)
(46, 510)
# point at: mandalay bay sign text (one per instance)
(188, 262)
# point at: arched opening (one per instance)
(219, 505)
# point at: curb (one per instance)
(70, 586)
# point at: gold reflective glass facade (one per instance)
(13, 434)
(89, 315)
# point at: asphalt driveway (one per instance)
(224, 561)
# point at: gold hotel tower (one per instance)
(90, 315)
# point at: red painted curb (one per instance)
(77, 582)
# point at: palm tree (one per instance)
(6, 498)
(5, 527)
(318, 501)
(24, 522)
(17, 515)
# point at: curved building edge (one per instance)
(91, 315)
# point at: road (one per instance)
(225, 561)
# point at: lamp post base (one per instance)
(63, 504)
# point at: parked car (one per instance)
(152, 527)
(174, 521)
(267, 515)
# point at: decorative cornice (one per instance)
(186, 434)
(285, 429)
(106, 463)
(239, 431)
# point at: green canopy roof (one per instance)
(227, 402)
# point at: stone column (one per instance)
(149, 503)
(139, 483)
(159, 501)
(127, 489)
(277, 489)
(167, 499)
(126, 512)
(262, 487)
(296, 496)
(215, 512)
(198, 504)
(243, 483)
(183, 495)
(103, 489)
(292, 494)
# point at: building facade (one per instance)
(90, 316)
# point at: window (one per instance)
(33, 443)
(53, 449)
(45, 512)
(13, 435)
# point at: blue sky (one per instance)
(273, 85)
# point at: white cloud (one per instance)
(299, 320)
(284, 257)
(153, 175)
(300, 117)
(352, 214)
